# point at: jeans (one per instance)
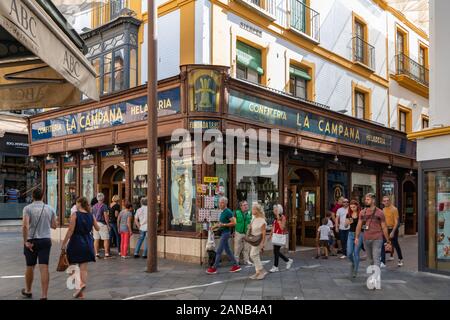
(373, 249)
(241, 246)
(343, 235)
(114, 234)
(224, 245)
(124, 243)
(142, 238)
(353, 250)
(395, 246)
(277, 254)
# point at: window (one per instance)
(52, 189)
(70, 191)
(402, 121)
(115, 7)
(361, 102)
(298, 82)
(362, 184)
(437, 219)
(401, 47)
(133, 68)
(107, 71)
(400, 42)
(423, 62)
(88, 182)
(425, 122)
(249, 63)
(298, 15)
(119, 61)
(360, 105)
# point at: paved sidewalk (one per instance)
(308, 279)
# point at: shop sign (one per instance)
(111, 153)
(262, 110)
(204, 124)
(138, 151)
(211, 179)
(14, 144)
(126, 112)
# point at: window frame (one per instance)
(408, 118)
(307, 66)
(357, 88)
(425, 118)
(365, 38)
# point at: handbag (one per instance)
(279, 239)
(252, 239)
(388, 247)
(63, 262)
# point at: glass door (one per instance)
(309, 215)
(298, 15)
(293, 214)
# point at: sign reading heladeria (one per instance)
(121, 113)
(265, 111)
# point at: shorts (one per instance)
(41, 252)
(323, 243)
(103, 233)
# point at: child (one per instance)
(332, 239)
(323, 236)
(124, 227)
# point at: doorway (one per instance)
(409, 207)
(304, 201)
(113, 182)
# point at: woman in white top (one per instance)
(258, 227)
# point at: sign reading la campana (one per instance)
(261, 110)
(110, 116)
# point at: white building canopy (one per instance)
(41, 58)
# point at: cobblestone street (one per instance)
(308, 279)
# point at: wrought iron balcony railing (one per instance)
(304, 20)
(267, 7)
(363, 52)
(412, 69)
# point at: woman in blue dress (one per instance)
(80, 247)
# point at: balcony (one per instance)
(304, 20)
(363, 53)
(412, 75)
(265, 8)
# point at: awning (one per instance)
(41, 59)
(299, 73)
(249, 57)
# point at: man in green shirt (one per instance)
(226, 222)
(243, 219)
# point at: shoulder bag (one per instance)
(63, 262)
(252, 239)
(279, 239)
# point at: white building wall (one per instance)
(399, 95)
(336, 28)
(333, 84)
(202, 31)
(435, 148)
(168, 31)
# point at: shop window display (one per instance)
(337, 187)
(389, 188)
(52, 189)
(18, 178)
(253, 187)
(70, 189)
(437, 219)
(363, 184)
(140, 183)
(182, 195)
(88, 182)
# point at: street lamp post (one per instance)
(152, 138)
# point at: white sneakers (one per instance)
(400, 263)
(274, 269)
(343, 257)
(289, 264)
(382, 265)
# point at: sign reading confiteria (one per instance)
(261, 110)
(110, 116)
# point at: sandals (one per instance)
(79, 294)
(26, 294)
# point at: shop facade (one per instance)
(101, 147)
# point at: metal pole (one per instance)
(152, 139)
